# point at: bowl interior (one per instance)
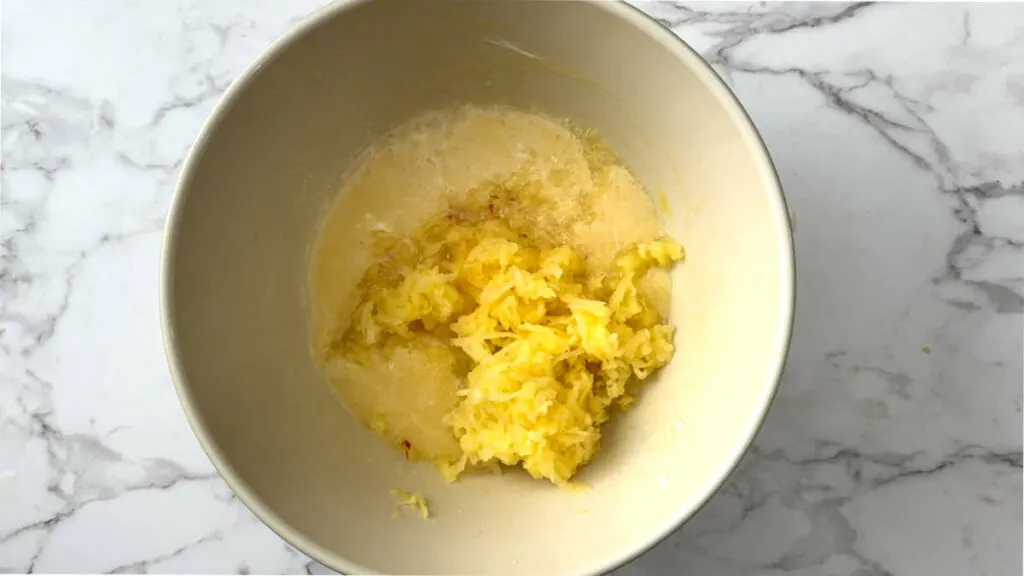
(269, 165)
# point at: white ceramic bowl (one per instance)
(266, 167)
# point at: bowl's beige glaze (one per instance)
(266, 167)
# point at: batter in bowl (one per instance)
(489, 288)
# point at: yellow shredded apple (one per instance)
(412, 500)
(551, 346)
(489, 287)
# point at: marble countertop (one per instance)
(893, 448)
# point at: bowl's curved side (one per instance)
(167, 303)
(724, 93)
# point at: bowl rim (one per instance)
(630, 15)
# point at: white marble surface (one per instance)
(894, 447)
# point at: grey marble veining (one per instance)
(893, 447)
